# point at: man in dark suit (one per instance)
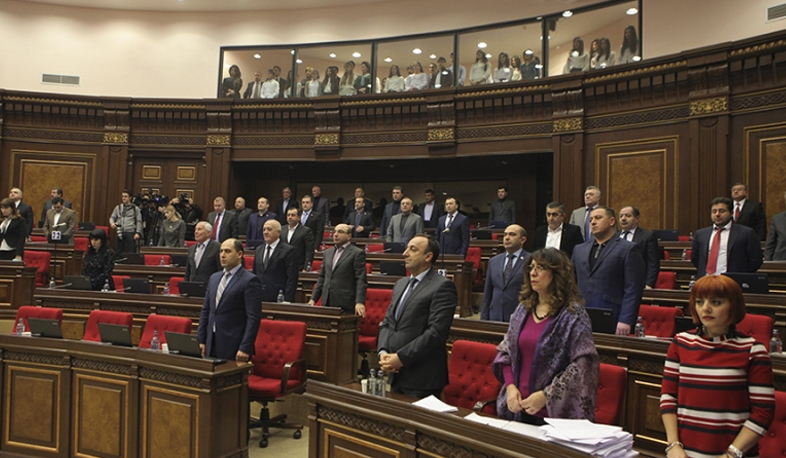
(256, 222)
(55, 192)
(504, 277)
(391, 209)
(25, 211)
(243, 213)
(226, 227)
(580, 216)
(775, 249)
(321, 204)
(229, 321)
(405, 225)
(442, 77)
(610, 271)
(503, 209)
(748, 212)
(203, 258)
(312, 220)
(254, 88)
(342, 279)
(413, 333)
(430, 210)
(630, 231)
(283, 205)
(725, 246)
(557, 233)
(275, 264)
(360, 220)
(368, 205)
(300, 238)
(453, 229)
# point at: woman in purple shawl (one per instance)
(547, 362)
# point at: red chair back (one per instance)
(155, 259)
(377, 302)
(278, 342)
(611, 394)
(105, 229)
(469, 376)
(375, 247)
(773, 443)
(190, 243)
(757, 326)
(174, 285)
(105, 316)
(473, 255)
(162, 323)
(683, 238)
(666, 255)
(29, 311)
(38, 239)
(368, 268)
(248, 262)
(666, 280)
(118, 281)
(316, 265)
(40, 260)
(81, 243)
(659, 321)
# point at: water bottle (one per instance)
(684, 254)
(20, 326)
(105, 288)
(52, 282)
(166, 289)
(280, 297)
(639, 332)
(366, 249)
(776, 346)
(691, 236)
(155, 344)
(162, 262)
(383, 384)
(692, 282)
(372, 382)
(308, 267)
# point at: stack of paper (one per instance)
(598, 440)
(435, 404)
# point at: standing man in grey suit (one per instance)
(360, 219)
(391, 209)
(775, 249)
(504, 277)
(243, 213)
(405, 225)
(224, 222)
(274, 264)
(557, 233)
(321, 204)
(453, 229)
(413, 334)
(25, 211)
(580, 216)
(503, 209)
(748, 212)
(203, 257)
(342, 279)
(300, 238)
(312, 220)
(630, 231)
(430, 210)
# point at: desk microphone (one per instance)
(66, 285)
(120, 261)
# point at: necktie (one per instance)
(222, 286)
(625, 235)
(402, 301)
(737, 212)
(508, 268)
(255, 94)
(217, 226)
(198, 254)
(587, 235)
(337, 255)
(358, 215)
(304, 218)
(450, 220)
(712, 259)
(267, 257)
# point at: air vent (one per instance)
(60, 79)
(776, 13)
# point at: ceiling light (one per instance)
(355, 54)
(292, 52)
(488, 56)
(567, 13)
(541, 38)
(332, 55)
(631, 11)
(299, 61)
(482, 44)
(257, 56)
(433, 56)
(388, 59)
(417, 51)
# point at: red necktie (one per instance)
(737, 212)
(217, 228)
(712, 259)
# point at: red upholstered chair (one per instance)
(611, 394)
(659, 321)
(81, 243)
(683, 238)
(471, 384)
(666, 255)
(248, 262)
(38, 239)
(279, 369)
(118, 281)
(666, 280)
(155, 259)
(40, 260)
(375, 247)
(473, 255)
(316, 265)
(757, 326)
(105, 316)
(377, 302)
(105, 229)
(190, 243)
(773, 443)
(174, 285)
(162, 323)
(29, 311)
(494, 236)
(368, 268)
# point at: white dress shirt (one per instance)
(554, 238)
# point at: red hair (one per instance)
(718, 286)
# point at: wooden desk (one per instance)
(17, 284)
(65, 259)
(158, 276)
(775, 270)
(67, 398)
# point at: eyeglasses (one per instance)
(539, 268)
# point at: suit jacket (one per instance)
(445, 81)
(242, 220)
(26, 212)
(303, 243)
(439, 210)
(456, 240)
(743, 252)
(47, 206)
(256, 223)
(237, 317)
(418, 337)
(282, 214)
(571, 236)
(650, 252)
(345, 285)
(250, 90)
(280, 274)
(501, 298)
(412, 227)
(68, 217)
(335, 81)
(366, 220)
(507, 214)
(577, 218)
(391, 209)
(323, 207)
(228, 229)
(208, 265)
(368, 205)
(775, 249)
(752, 215)
(315, 222)
(15, 236)
(616, 282)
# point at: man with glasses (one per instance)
(342, 278)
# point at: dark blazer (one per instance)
(391, 209)
(577, 219)
(323, 207)
(650, 252)
(366, 220)
(439, 210)
(500, 298)
(256, 223)
(412, 227)
(228, 229)
(752, 215)
(346, 285)
(616, 282)
(15, 235)
(367, 206)
(456, 240)
(250, 90)
(281, 272)
(418, 337)
(507, 214)
(571, 236)
(445, 81)
(335, 81)
(315, 222)
(303, 243)
(775, 249)
(237, 317)
(208, 265)
(26, 212)
(743, 253)
(47, 206)
(242, 219)
(282, 214)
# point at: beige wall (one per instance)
(157, 54)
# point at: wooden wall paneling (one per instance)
(218, 150)
(764, 151)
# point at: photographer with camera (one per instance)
(189, 212)
(127, 220)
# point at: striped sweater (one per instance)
(716, 387)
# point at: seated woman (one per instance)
(173, 229)
(13, 232)
(547, 361)
(99, 261)
(717, 397)
(394, 82)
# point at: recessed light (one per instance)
(256, 56)
(432, 56)
(332, 55)
(298, 61)
(417, 51)
(388, 59)
(292, 52)
(482, 44)
(488, 56)
(567, 13)
(355, 54)
(632, 11)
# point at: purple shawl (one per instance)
(566, 365)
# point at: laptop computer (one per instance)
(602, 320)
(666, 235)
(180, 260)
(77, 282)
(85, 226)
(133, 258)
(116, 334)
(394, 247)
(498, 224)
(136, 285)
(192, 288)
(392, 268)
(481, 234)
(43, 327)
(683, 324)
(186, 345)
(755, 283)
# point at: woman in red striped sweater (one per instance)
(717, 396)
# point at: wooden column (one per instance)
(218, 151)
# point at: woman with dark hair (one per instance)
(394, 82)
(515, 65)
(99, 261)
(13, 231)
(594, 50)
(578, 60)
(717, 396)
(363, 82)
(232, 84)
(331, 82)
(547, 361)
(480, 72)
(605, 57)
(629, 52)
(503, 73)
